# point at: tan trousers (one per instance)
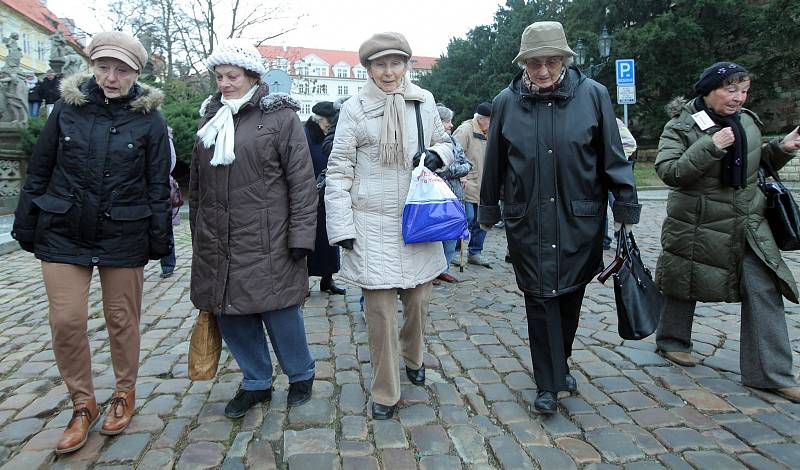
(67, 288)
(380, 313)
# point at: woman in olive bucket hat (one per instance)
(553, 138)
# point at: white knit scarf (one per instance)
(219, 129)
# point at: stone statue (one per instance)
(73, 63)
(58, 46)
(14, 56)
(13, 98)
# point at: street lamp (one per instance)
(603, 47)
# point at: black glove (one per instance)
(299, 253)
(346, 244)
(27, 246)
(432, 160)
(159, 250)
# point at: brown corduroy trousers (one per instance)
(67, 288)
(380, 313)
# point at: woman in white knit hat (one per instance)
(253, 212)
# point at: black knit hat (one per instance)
(324, 109)
(484, 109)
(714, 76)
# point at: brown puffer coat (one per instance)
(246, 216)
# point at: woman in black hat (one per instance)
(717, 246)
(324, 262)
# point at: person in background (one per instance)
(108, 210)
(471, 134)
(324, 262)
(629, 147)
(176, 201)
(34, 98)
(50, 90)
(553, 154)
(330, 132)
(717, 244)
(452, 175)
(369, 173)
(253, 215)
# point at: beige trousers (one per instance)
(67, 288)
(380, 313)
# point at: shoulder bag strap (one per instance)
(420, 135)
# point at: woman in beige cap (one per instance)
(97, 194)
(369, 172)
(553, 154)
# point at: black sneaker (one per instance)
(244, 400)
(300, 392)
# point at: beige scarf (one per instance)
(392, 140)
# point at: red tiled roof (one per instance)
(331, 57)
(42, 16)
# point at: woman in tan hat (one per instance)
(553, 154)
(369, 172)
(97, 195)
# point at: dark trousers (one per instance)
(552, 323)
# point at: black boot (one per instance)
(572, 386)
(300, 392)
(417, 377)
(244, 400)
(546, 402)
(382, 411)
(326, 285)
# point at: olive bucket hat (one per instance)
(543, 39)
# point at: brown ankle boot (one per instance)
(120, 412)
(84, 415)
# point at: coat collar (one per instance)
(78, 90)
(372, 98)
(564, 92)
(268, 103)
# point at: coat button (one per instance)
(66, 139)
(552, 199)
(113, 130)
(550, 103)
(553, 245)
(553, 291)
(549, 150)
(106, 173)
(95, 259)
(130, 146)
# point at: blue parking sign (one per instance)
(626, 72)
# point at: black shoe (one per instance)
(327, 285)
(546, 402)
(244, 400)
(166, 274)
(300, 392)
(417, 377)
(382, 411)
(508, 258)
(572, 386)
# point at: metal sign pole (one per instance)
(625, 114)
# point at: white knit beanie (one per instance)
(238, 53)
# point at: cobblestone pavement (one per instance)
(633, 409)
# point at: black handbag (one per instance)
(639, 302)
(781, 212)
(321, 187)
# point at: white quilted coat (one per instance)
(364, 199)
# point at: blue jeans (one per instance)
(607, 238)
(168, 262)
(244, 336)
(476, 234)
(449, 251)
(33, 108)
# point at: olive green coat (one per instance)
(707, 225)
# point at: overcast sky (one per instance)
(343, 24)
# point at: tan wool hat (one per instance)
(118, 45)
(543, 39)
(381, 44)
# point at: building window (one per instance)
(342, 90)
(305, 108)
(361, 73)
(40, 51)
(360, 88)
(303, 88)
(301, 70)
(321, 89)
(342, 72)
(280, 63)
(320, 71)
(26, 44)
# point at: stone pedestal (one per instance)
(57, 65)
(13, 167)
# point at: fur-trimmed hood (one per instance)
(269, 103)
(675, 105)
(74, 91)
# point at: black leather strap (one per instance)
(420, 135)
